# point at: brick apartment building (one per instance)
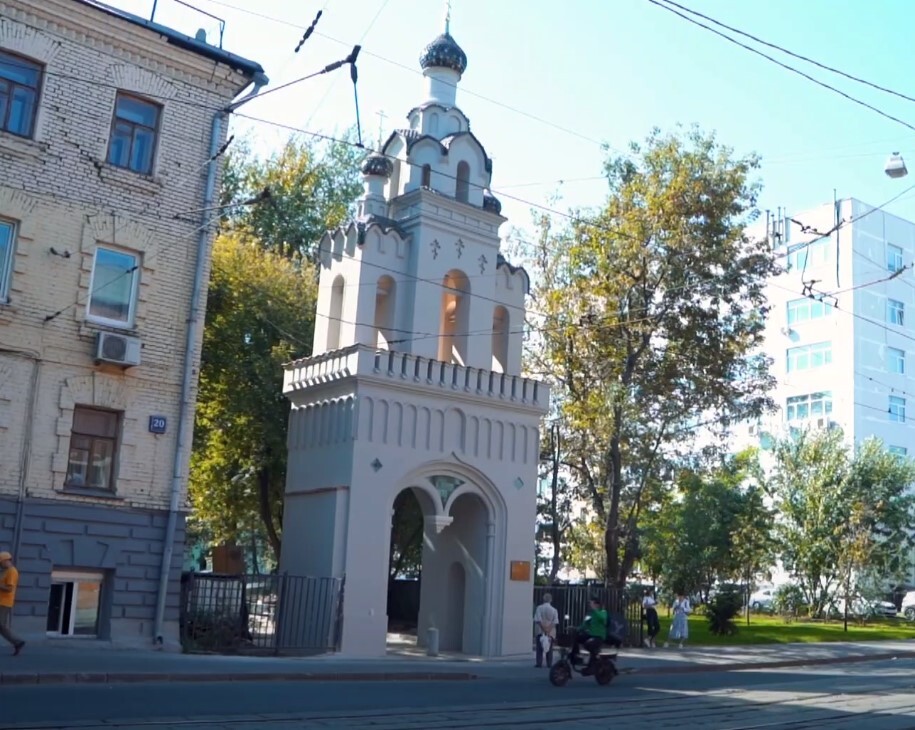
(107, 126)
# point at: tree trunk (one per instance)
(612, 530)
(273, 537)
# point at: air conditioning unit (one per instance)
(117, 349)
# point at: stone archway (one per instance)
(459, 591)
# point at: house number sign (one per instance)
(157, 424)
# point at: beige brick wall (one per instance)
(64, 195)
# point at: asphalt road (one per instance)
(878, 696)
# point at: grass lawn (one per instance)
(765, 629)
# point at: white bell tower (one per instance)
(414, 383)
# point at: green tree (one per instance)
(710, 528)
(554, 501)
(312, 188)
(652, 330)
(406, 552)
(260, 315)
(843, 511)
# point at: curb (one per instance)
(47, 678)
(31, 678)
(785, 664)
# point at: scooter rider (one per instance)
(593, 631)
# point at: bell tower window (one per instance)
(427, 176)
(384, 312)
(462, 186)
(455, 318)
(500, 322)
(335, 316)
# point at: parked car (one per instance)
(908, 606)
(763, 599)
(864, 608)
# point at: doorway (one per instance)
(437, 569)
(74, 604)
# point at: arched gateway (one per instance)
(414, 385)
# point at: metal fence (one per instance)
(573, 601)
(260, 614)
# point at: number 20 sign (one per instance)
(157, 424)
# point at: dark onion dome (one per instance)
(444, 52)
(376, 164)
(491, 203)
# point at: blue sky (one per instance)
(547, 82)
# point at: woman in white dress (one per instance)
(679, 628)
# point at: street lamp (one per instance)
(895, 166)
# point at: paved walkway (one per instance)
(66, 664)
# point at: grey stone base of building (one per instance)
(60, 540)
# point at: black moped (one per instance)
(599, 663)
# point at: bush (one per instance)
(721, 612)
(788, 599)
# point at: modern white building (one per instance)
(841, 324)
(415, 383)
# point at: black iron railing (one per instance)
(574, 601)
(260, 614)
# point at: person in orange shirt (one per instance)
(9, 579)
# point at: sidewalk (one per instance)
(42, 664)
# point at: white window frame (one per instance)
(896, 409)
(895, 312)
(823, 397)
(62, 577)
(806, 353)
(895, 360)
(809, 255)
(894, 260)
(6, 267)
(805, 309)
(134, 289)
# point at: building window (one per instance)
(113, 289)
(133, 133)
(812, 405)
(462, 183)
(895, 312)
(73, 603)
(897, 409)
(895, 360)
(7, 249)
(427, 176)
(93, 447)
(898, 450)
(893, 258)
(808, 357)
(801, 310)
(20, 79)
(808, 255)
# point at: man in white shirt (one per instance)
(546, 619)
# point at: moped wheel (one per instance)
(604, 674)
(560, 674)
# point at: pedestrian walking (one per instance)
(679, 627)
(546, 619)
(9, 579)
(650, 607)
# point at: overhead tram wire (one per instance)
(320, 103)
(787, 52)
(398, 64)
(792, 69)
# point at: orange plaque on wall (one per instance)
(521, 570)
